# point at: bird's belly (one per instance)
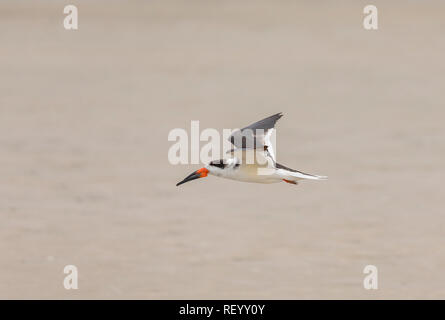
(253, 174)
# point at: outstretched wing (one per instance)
(257, 135)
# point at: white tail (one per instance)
(297, 175)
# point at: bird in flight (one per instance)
(253, 158)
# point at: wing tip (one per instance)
(278, 115)
(275, 117)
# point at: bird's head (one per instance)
(215, 168)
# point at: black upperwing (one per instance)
(256, 135)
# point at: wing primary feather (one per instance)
(247, 137)
(266, 123)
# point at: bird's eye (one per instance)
(219, 164)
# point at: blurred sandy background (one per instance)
(84, 174)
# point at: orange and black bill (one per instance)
(201, 173)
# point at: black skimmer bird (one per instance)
(252, 143)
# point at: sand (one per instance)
(85, 178)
